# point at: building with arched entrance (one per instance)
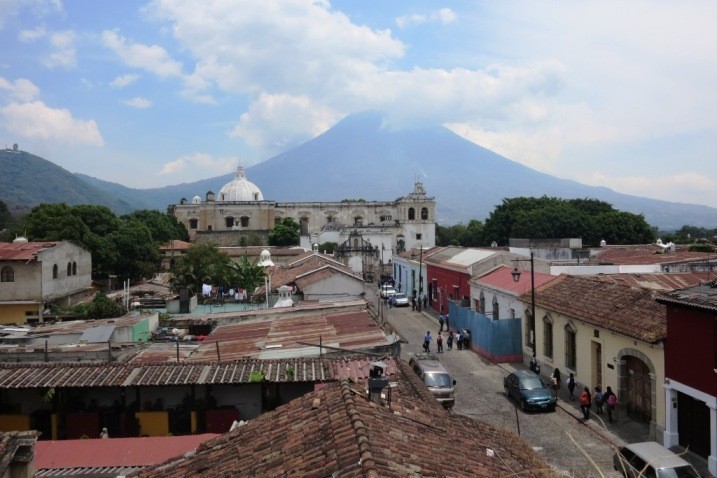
(606, 334)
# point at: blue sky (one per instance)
(609, 93)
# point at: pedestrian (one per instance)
(555, 381)
(390, 301)
(425, 301)
(586, 403)
(571, 386)
(466, 338)
(413, 303)
(459, 340)
(440, 322)
(439, 343)
(427, 341)
(448, 324)
(610, 400)
(598, 399)
(450, 340)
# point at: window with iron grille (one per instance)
(547, 337)
(570, 348)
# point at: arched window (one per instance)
(244, 221)
(69, 269)
(496, 308)
(424, 213)
(547, 337)
(358, 221)
(411, 214)
(193, 223)
(55, 271)
(7, 274)
(229, 221)
(74, 268)
(570, 348)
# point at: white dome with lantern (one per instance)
(240, 189)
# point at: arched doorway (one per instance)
(638, 388)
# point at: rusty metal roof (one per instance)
(24, 251)
(350, 328)
(133, 375)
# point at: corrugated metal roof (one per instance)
(462, 257)
(98, 334)
(19, 251)
(293, 369)
(113, 452)
(502, 278)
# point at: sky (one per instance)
(148, 94)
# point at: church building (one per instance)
(364, 230)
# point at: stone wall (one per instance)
(233, 238)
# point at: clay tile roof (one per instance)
(645, 254)
(175, 245)
(19, 251)
(660, 282)
(338, 430)
(311, 262)
(629, 311)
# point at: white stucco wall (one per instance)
(338, 286)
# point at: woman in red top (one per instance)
(586, 401)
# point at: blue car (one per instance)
(529, 390)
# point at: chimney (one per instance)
(378, 382)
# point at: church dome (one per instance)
(240, 189)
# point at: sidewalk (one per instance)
(623, 430)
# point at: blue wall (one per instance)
(498, 340)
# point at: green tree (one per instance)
(101, 307)
(137, 256)
(328, 247)
(163, 227)
(5, 216)
(246, 275)
(285, 233)
(54, 222)
(202, 264)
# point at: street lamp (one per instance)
(516, 278)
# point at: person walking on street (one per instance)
(598, 399)
(448, 324)
(555, 381)
(425, 301)
(413, 303)
(571, 386)
(459, 340)
(610, 400)
(390, 301)
(450, 340)
(427, 341)
(586, 403)
(466, 338)
(440, 322)
(439, 343)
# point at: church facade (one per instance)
(239, 211)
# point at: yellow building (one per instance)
(607, 335)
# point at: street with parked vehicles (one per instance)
(568, 445)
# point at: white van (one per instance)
(436, 377)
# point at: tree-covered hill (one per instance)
(27, 180)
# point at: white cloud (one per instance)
(63, 50)
(138, 102)
(36, 120)
(20, 90)
(38, 8)
(270, 126)
(29, 36)
(154, 58)
(688, 187)
(443, 16)
(124, 80)
(201, 161)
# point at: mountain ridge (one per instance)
(360, 157)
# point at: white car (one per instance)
(400, 300)
(387, 291)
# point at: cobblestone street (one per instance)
(556, 436)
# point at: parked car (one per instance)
(436, 377)
(387, 291)
(651, 460)
(400, 300)
(529, 390)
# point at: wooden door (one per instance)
(597, 364)
(638, 403)
(693, 424)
